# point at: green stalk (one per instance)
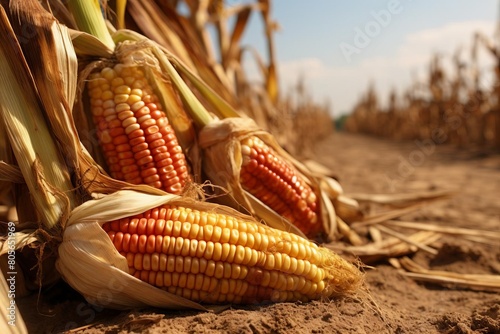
(89, 18)
(198, 112)
(172, 66)
(222, 108)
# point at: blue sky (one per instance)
(399, 48)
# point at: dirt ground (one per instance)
(363, 165)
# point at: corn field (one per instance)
(449, 108)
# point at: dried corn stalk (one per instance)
(21, 111)
(11, 320)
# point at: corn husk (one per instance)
(21, 111)
(16, 327)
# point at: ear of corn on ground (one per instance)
(192, 251)
(216, 258)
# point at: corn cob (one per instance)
(271, 179)
(216, 258)
(139, 144)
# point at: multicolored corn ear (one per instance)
(246, 160)
(139, 144)
(211, 258)
(275, 182)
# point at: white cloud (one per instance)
(313, 68)
(445, 40)
(344, 84)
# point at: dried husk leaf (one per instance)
(224, 109)
(22, 239)
(494, 236)
(6, 157)
(347, 208)
(87, 45)
(405, 199)
(387, 248)
(10, 173)
(18, 326)
(53, 65)
(60, 11)
(42, 165)
(318, 169)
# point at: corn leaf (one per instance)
(88, 16)
(21, 110)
